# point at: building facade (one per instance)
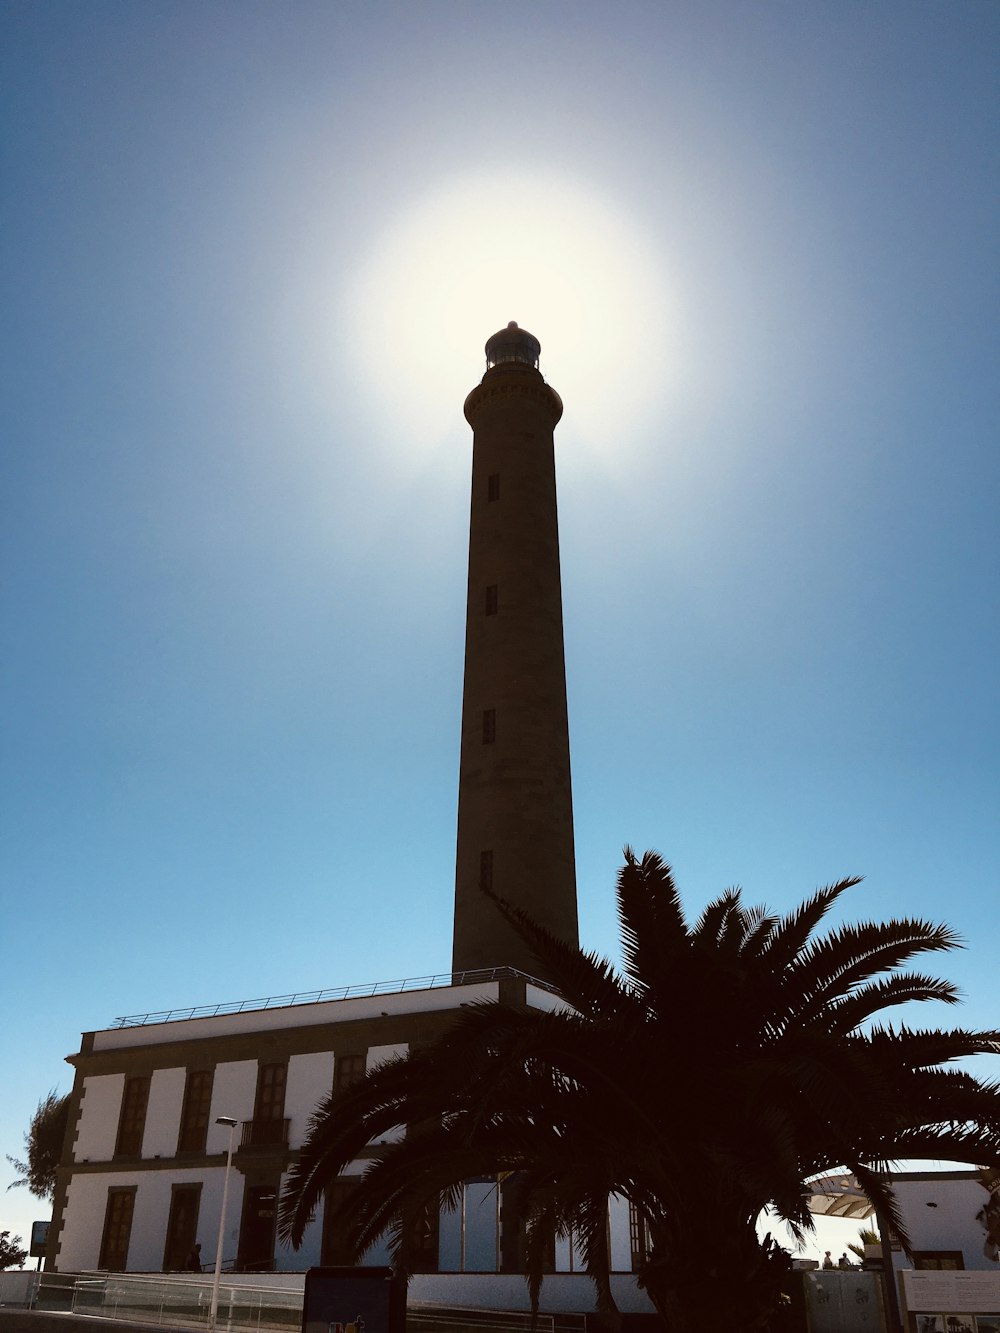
(952, 1219)
(142, 1177)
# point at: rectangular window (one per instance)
(481, 1225)
(486, 870)
(268, 1128)
(493, 487)
(195, 1112)
(182, 1230)
(424, 1240)
(348, 1070)
(491, 599)
(939, 1259)
(638, 1232)
(117, 1230)
(270, 1102)
(489, 726)
(260, 1210)
(333, 1247)
(133, 1117)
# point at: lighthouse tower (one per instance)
(515, 806)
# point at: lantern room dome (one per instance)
(512, 344)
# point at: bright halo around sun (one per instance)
(561, 261)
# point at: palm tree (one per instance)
(866, 1236)
(12, 1251)
(43, 1144)
(722, 1067)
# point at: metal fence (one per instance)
(182, 1302)
(185, 1303)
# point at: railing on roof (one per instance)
(356, 992)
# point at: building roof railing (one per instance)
(363, 990)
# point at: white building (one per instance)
(948, 1216)
(142, 1178)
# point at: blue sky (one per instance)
(250, 256)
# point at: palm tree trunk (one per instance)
(726, 1280)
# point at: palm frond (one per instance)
(793, 931)
(711, 925)
(835, 965)
(847, 1013)
(650, 918)
(585, 980)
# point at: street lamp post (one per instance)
(214, 1308)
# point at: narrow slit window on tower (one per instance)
(489, 725)
(486, 870)
(491, 599)
(493, 487)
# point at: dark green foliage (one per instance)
(866, 1236)
(12, 1252)
(726, 1064)
(43, 1143)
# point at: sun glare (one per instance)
(559, 260)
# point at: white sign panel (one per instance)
(951, 1292)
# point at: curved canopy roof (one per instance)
(838, 1195)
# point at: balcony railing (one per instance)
(264, 1134)
(355, 992)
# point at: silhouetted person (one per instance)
(192, 1264)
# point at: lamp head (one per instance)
(513, 344)
(226, 1120)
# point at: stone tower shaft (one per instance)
(515, 807)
